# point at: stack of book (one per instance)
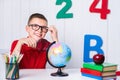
(104, 71)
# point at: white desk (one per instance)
(44, 74)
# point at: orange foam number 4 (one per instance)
(103, 10)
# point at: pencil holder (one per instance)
(12, 71)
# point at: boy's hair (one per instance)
(37, 15)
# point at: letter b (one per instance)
(88, 47)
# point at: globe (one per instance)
(58, 55)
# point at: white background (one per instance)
(15, 13)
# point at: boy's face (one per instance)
(37, 28)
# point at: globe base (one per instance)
(59, 73)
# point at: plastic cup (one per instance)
(12, 71)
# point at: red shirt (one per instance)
(33, 57)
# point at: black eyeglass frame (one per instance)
(36, 27)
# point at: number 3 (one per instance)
(63, 12)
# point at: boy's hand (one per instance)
(29, 41)
(53, 32)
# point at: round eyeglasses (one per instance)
(36, 27)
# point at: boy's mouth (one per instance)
(39, 35)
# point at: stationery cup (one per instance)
(12, 71)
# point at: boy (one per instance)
(34, 46)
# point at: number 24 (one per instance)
(63, 12)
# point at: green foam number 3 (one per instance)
(63, 12)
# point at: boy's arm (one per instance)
(17, 48)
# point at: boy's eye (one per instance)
(37, 27)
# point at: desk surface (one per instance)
(44, 74)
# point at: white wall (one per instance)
(14, 15)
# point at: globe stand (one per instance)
(59, 73)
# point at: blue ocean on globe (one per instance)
(59, 54)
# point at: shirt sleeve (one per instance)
(13, 46)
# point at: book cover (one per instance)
(97, 73)
(118, 73)
(103, 67)
(99, 77)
